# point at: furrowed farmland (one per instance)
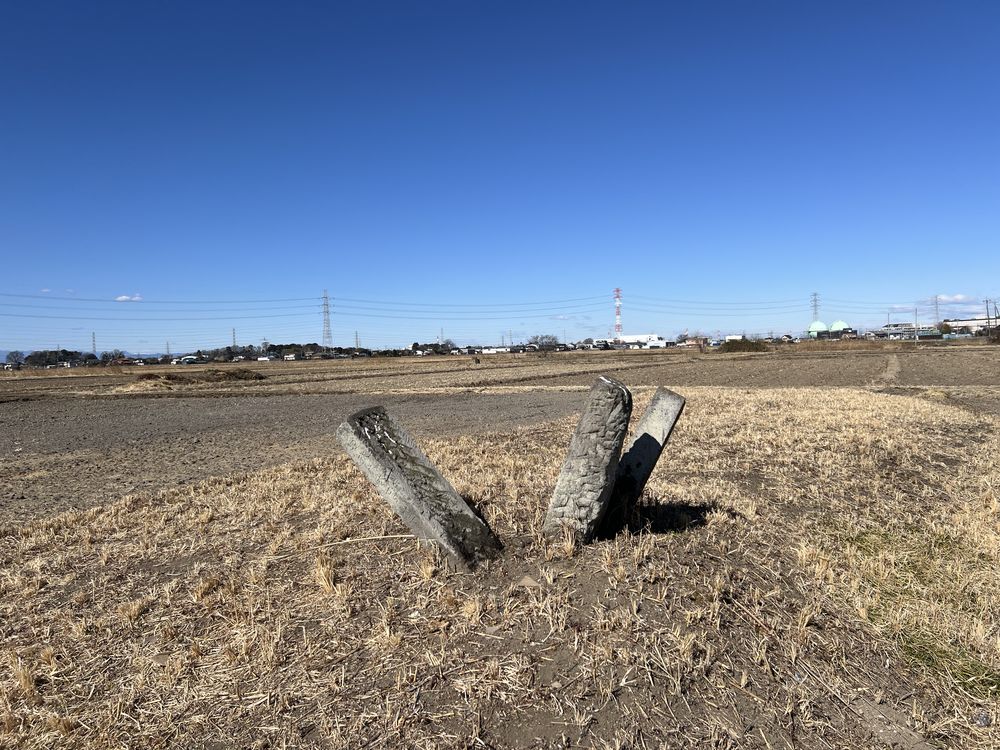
(188, 558)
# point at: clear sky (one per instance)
(484, 167)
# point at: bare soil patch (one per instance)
(63, 454)
(211, 375)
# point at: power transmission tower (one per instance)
(937, 311)
(618, 314)
(327, 335)
(234, 338)
(814, 301)
(357, 341)
(168, 348)
(93, 343)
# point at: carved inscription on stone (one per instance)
(584, 487)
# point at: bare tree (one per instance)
(544, 341)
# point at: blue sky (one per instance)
(484, 167)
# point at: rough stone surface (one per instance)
(588, 474)
(639, 459)
(420, 496)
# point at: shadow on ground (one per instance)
(656, 516)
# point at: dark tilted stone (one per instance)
(420, 496)
(588, 474)
(639, 459)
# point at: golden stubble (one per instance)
(806, 548)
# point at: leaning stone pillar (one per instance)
(639, 459)
(424, 500)
(588, 474)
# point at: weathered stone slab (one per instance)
(639, 459)
(588, 474)
(420, 496)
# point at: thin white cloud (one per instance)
(954, 299)
(129, 297)
(45, 291)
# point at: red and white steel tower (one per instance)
(618, 314)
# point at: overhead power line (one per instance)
(474, 304)
(130, 308)
(149, 320)
(757, 303)
(709, 309)
(524, 314)
(715, 313)
(144, 301)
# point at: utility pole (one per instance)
(327, 334)
(989, 322)
(814, 301)
(915, 336)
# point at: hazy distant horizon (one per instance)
(109, 330)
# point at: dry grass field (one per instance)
(815, 564)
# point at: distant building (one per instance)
(818, 330)
(694, 341)
(904, 331)
(971, 325)
(649, 340)
(839, 330)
